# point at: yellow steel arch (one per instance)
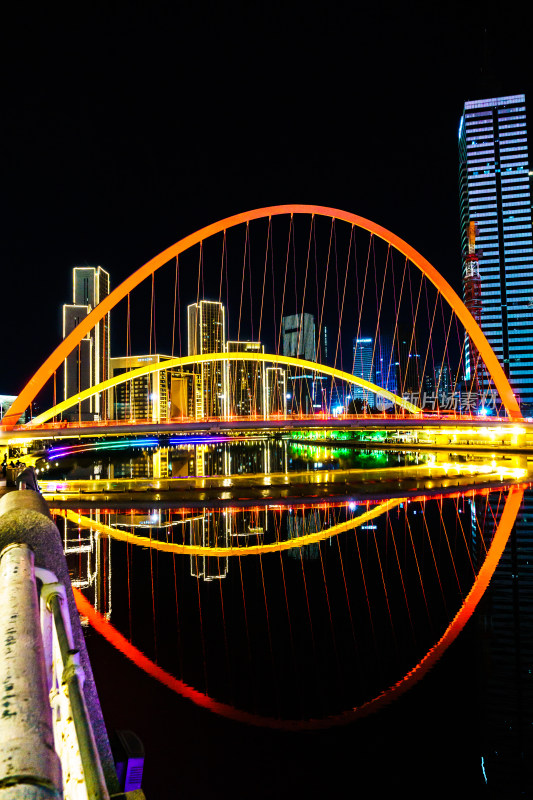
(192, 360)
(224, 552)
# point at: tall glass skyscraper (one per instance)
(494, 182)
(363, 366)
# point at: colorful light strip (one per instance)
(61, 452)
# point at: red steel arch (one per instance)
(36, 383)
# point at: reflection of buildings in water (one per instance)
(143, 463)
(204, 529)
(88, 557)
(199, 459)
(229, 459)
(211, 530)
(249, 524)
(505, 627)
(301, 525)
(255, 458)
(214, 459)
(275, 453)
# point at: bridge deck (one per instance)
(283, 425)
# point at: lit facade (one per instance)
(494, 186)
(363, 366)
(298, 337)
(146, 397)
(185, 394)
(88, 364)
(246, 381)
(276, 391)
(206, 333)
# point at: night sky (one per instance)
(127, 126)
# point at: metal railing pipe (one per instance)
(73, 679)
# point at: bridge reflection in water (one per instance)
(297, 614)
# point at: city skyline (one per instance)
(390, 361)
(102, 171)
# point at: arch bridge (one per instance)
(429, 276)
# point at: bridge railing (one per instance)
(435, 416)
(47, 737)
(73, 734)
(53, 741)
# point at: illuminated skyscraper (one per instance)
(145, 398)
(494, 186)
(298, 336)
(276, 391)
(206, 327)
(363, 365)
(89, 363)
(206, 333)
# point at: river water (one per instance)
(322, 656)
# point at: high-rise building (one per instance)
(443, 384)
(298, 335)
(206, 333)
(276, 391)
(246, 380)
(88, 364)
(494, 184)
(145, 398)
(363, 366)
(409, 367)
(385, 363)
